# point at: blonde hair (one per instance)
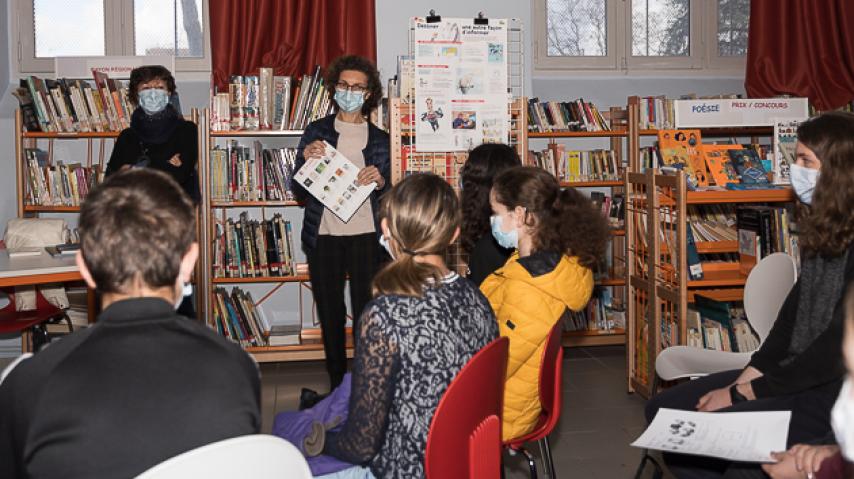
(422, 213)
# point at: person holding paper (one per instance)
(799, 367)
(336, 249)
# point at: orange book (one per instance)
(681, 147)
(717, 160)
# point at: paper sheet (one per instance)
(332, 180)
(738, 436)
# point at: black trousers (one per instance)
(810, 422)
(329, 263)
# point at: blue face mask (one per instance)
(349, 101)
(803, 181)
(153, 100)
(505, 240)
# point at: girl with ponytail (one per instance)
(559, 237)
(424, 323)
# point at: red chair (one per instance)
(551, 372)
(468, 420)
(30, 323)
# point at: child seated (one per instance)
(559, 237)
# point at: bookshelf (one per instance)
(614, 278)
(213, 209)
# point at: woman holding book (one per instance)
(338, 249)
(484, 163)
(799, 367)
(158, 136)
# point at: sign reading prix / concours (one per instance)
(737, 112)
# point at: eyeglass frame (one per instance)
(344, 86)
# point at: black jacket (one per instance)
(376, 154)
(184, 141)
(138, 387)
(485, 257)
(820, 364)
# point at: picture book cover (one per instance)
(717, 161)
(682, 147)
(749, 167)
(785, 139)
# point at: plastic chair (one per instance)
(551, 371)
(259, 456)
(31, 323)
(765, 291)
(468, 419)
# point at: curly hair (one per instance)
(359, 64)
(484, 163)
(145, 74)
(828, 227)
(564, 221)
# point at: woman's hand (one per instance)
(800, 461)
(370, 174)
(176, 160)
(714, 400)
(315, 149)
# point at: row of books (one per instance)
(720, 326)
(248, 248)
(602, 313)
(577, 165)
(577, 115)
(763, 230)
(712, 222)
(658, 112)
(612, 207)
(72, 106)
(270, 102)
(58, 184)
(236, 317)
(251, 173)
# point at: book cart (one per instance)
(615, 276)
(659, 286)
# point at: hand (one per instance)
(784, 468)
(714, 400)
(808, 459)
(370, 174)
(315, 149)
(176, 160)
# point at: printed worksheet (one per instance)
(332, 180)
(737, 436)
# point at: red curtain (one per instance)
(802, 48)
(291, 36)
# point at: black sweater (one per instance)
(184, 141)
(485, 257)
(821, 363)
(140, 386)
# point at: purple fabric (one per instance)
(294, 426)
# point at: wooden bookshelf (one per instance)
(720, 132)
(611, 282)
(51, 209)
(596, 337)
(592, 184)
(706, 247)
(309, 349)
(578, 134)
(779, 195)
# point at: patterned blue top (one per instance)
(409, 350)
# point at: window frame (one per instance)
(703, 57)
(119, 32)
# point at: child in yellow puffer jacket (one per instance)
(559, 236)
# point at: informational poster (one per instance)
(785, 139)
(461, 84)
(737, 436)
(332, 180)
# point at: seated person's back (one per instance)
(143, 384)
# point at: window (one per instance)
(51, 28)
(640, 34)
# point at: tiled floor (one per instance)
(598, 421)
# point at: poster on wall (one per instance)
(461, 83)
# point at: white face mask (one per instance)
(187, 290)
(385, 244)
(803, 181)
(842, 419)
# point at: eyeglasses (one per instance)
(344, 86)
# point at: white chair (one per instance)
(259, 456)
(764, 292)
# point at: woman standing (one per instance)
(158, 136)
(336, 249)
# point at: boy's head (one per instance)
(137, 231)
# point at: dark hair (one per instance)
(484, 163)
(828, 228)
(145, 74)
(359, 64)
(563, 221)
(422, 213)
(136, 226)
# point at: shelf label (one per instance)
(114, 66)
(738, 111)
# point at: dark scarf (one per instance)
(821, 285)
(155, 129)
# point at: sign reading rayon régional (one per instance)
(460, 83)
(738, 111)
